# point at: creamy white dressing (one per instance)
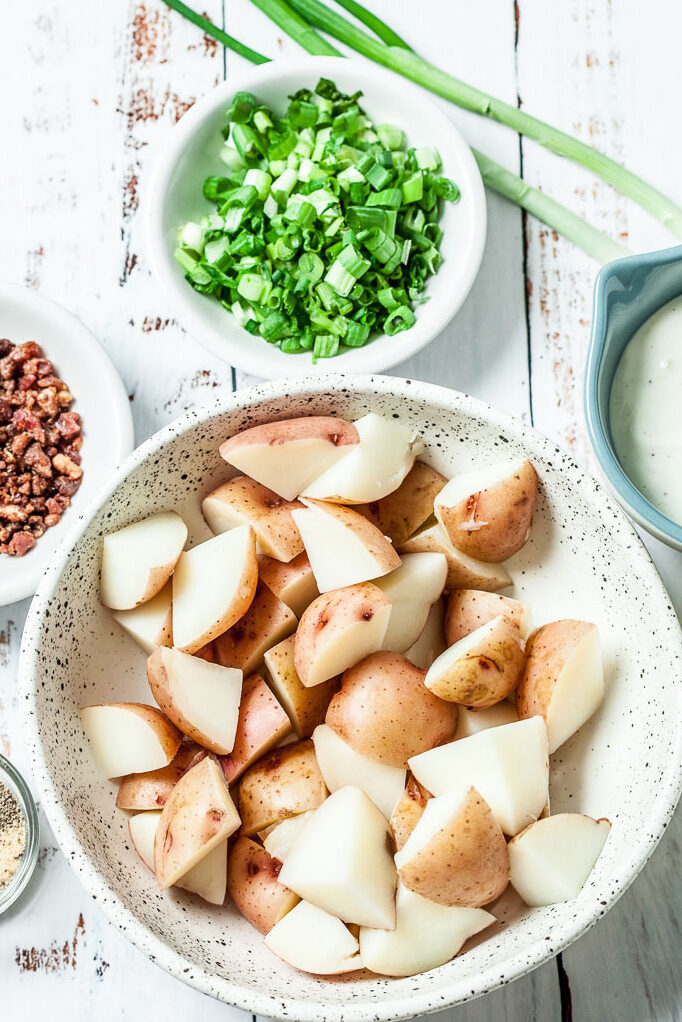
(646, 410)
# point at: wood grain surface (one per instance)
(88, 92)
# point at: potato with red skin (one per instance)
(339, 629)
(457, 854)
(292, 583)
(488, 513)
(384, 710)
(408, 811)
(151, 790)
(464, 572)
(261, 725)
(197, 816)
(563, 680)
(401, 513)
(344, 547)
(481, 669)
(213, 586)
(128, 738)
(285, 456)
(284, 783)
(468, 609)
(253, 885)
(266, 622)
(243, 501)
(138, 560)
(305, 707)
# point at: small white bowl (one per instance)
(100, 400)
(191, 153)
(583, 559)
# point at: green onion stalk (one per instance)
(558, 217)
(398, 57)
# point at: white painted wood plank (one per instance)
(604, 82)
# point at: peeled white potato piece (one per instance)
(129, 738)
(464, 572)
(426, 935)
(200, 698)
(564, 678)
(457, 853)
(552, 858)
(373, 468)
(314, 941)
(338, 630)
(508, 766)
(286, 456)
(470, 722)
(213, 586)
(293, 583)
(150, 624)
(412, 589)
(243, 501)
(279, 841)
(207, 879)
(340, 765)
(482, 668)
(431, 642)
(488, 512)
(341, 861)
(138, 560)
(343, 547)
(198, 815)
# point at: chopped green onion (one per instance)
(390, 136)
(326, 346)
(284, 185)
(357, 335)
(254, 288)
(325, 228)
(401, 318)
(260, 180)
(192, 237)
(413, 187)
(428, 158)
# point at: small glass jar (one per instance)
(12, 779)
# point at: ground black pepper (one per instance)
(12, 835)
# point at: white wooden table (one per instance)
(87, 91)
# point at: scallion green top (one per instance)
(326, 227)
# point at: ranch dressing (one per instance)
(645, 410)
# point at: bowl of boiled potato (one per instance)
(353, 698)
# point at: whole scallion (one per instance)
(320, 218)
(395, 54)
(558, 217)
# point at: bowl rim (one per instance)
(261, 1003)
(620, 484)
(119, 421)
(383, 352)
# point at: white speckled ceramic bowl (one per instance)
(583, 559)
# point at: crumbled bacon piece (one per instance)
(40, 443)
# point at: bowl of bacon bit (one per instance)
(65, 423)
